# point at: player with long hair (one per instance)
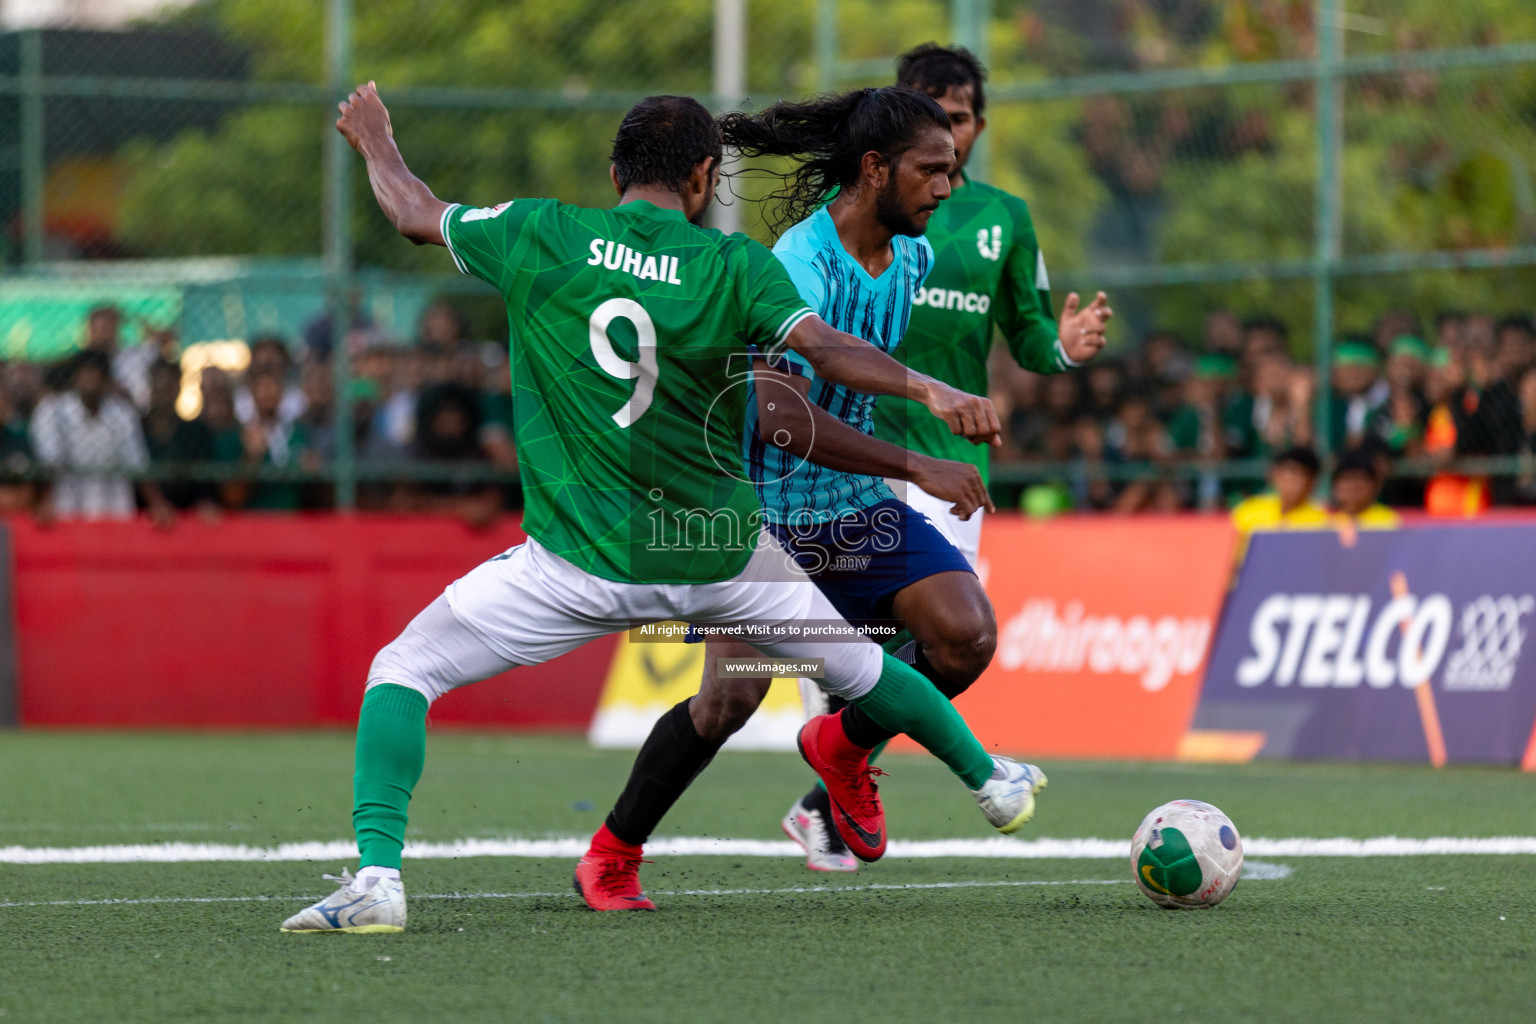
(988, 278)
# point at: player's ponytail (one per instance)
(829, 136)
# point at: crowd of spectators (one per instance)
(1118, 429)
(103, 433)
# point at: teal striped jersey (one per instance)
(837, 287)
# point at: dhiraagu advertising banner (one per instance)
(1403, 645)
(1103, 629)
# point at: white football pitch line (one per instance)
(1253, 871)
(997, 848)
(568, 894)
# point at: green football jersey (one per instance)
(630, 330)
(987, 270)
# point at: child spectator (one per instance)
(1397, 427)
(1137, 436)
(1276, 413)
(449, 432)
(1358, 391)
(1199, 429)
(1288, 505)
(270, 355)
(1106, 389)
(1356, 485)
(1090, 486)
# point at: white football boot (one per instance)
(808, 824)
(1008, 797)
(379, 909)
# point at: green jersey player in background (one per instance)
(988, 272)
(628, 416)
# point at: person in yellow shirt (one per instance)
(1357, 481)
(1288, 505)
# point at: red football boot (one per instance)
(845, 770)
(608, 876)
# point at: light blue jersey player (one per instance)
(861, 543)
(858, 261)
(795, 491)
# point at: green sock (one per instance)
(903, 701)
(897, 642)
(391, 749)
(890, 646)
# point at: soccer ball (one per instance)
(1186, 854)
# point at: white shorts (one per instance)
(964, 534)
(529, 605)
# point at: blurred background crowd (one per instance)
(1423, 401)
(114, 428)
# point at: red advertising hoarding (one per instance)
(267, 621)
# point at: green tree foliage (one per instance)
(253, 185)
(1433, 160)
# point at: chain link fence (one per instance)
(1316, 222)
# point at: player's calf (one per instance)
(723, 706)
(953, 623)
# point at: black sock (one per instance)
(865, 732)
(673, 756)
(947, 687)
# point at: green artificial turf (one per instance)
(1432, 938)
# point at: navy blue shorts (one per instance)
(860, 562)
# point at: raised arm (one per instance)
(856, 364)
(1022, 308)
(788, 419)
(405, 199)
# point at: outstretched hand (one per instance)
(1082, 330)
(364, 118)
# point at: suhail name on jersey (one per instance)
(951, 298)
(612, 255)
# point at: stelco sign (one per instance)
(1405, 645)
(1346, 640)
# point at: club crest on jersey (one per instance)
(483, 213)
(613, 255)
(990, 243)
